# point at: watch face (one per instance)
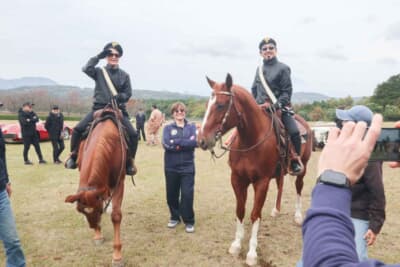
(334, 178)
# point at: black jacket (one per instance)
(140, 118)
(3, 165)
(54, 125)
(102, 95)
(368, 197)
(277, 76)
(27, 121)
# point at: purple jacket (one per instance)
(328, 233)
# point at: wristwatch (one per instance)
(334, 178)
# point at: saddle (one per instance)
(285, 146)
(103, 114)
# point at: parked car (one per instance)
(12, 132)
(320, 132)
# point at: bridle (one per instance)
(218, 135)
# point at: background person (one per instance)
(153, 125)
(277, 76)
(102, 96)
(8, 232)
(179, 141)
(368, 195)
(140, 120)
(27, 120)
(54, 126)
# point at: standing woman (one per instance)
(179, 141)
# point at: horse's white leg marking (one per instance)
(236, 244)
(298, 217)
(251, 258)
(275, 211)
(209, 105)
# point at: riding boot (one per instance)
(295, 162)
(70, 163)
(130, 162)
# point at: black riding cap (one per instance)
(266, 40)
(116, 46)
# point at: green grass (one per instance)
(53, 233)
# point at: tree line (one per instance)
(385, 100)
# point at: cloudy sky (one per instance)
(337, 48)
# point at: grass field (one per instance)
(54, 234)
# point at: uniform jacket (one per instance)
(54, 125)
(368, 197)
(102, 94)
(179, 144)
(277, 76)
(27, 121)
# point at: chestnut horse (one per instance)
(253, 157)
(101, 164)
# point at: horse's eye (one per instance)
(220, 106)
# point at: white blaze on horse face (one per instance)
(211, 102)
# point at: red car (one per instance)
(12, 132)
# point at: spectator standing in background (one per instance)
(27, 120)
(140, 120)
(54, 126)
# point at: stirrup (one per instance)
(296, 172)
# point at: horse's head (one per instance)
(218, 118)
(90, 203)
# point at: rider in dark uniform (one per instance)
(27, 119)
(102, 96)
(277, 76)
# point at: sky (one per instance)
(337, 48)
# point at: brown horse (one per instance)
(254, 154)
(101, 164)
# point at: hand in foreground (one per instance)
(346, 151)
(395, 164)
(370, 237)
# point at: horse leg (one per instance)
(116, 217)
(279, 184)
(260, 193)
(240, 189)
(298, 217)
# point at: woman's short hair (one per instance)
(175, 106)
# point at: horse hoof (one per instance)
(234, 249)
(298, 219)
(117, 263)
(99, 241)
(251, 259)
(274, 212)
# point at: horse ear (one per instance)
(228, 82)
(210, 82)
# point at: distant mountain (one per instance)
(63, 91)
(308, 98)
(25, 81)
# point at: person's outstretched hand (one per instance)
(347, 151)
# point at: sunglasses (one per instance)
(179, 110)
(268, 48)
(113, 55)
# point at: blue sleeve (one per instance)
(328, 233)
(166, 139)
(190, 141)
